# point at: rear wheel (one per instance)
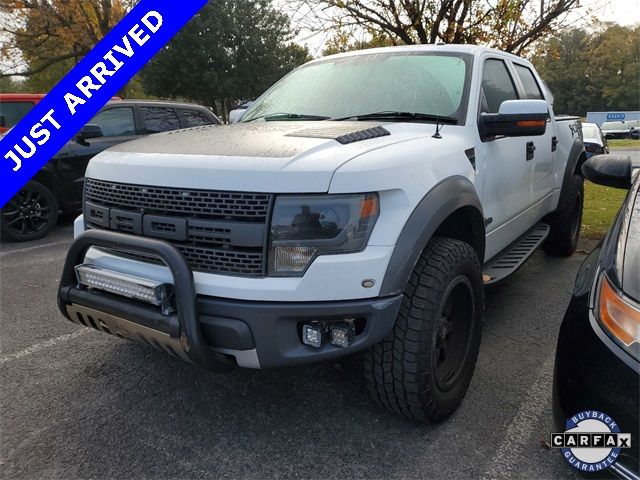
(566, 221)
(422, 370)
(30, 214)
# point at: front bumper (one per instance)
(208, 330)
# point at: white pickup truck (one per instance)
(362, 203)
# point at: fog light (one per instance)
(313, 334)
(342, 334)
(130, 286)
(292, 259)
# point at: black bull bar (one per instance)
(177, 333)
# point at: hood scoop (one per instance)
(343, 135)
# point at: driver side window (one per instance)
(497, 86)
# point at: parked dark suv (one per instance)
(58, 186)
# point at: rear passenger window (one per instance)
(497, 86)
(195, 118)
(160, 119)
(531, 88)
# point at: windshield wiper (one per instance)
(289, 116)
(403, 116)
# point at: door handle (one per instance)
(554, 144)
(531, 148)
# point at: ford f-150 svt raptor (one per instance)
(361, 204)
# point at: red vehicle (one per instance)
(14, 106)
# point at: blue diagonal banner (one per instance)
(87, 88)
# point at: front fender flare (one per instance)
(443, 200)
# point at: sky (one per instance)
(624, 12)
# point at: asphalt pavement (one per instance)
(76, 403)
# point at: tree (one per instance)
(562, 62)
(510, 25)
(592, 71)
(9, 85)
(614, 68)
(231, 50)
(47, 37)
(342, 42)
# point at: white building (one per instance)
(612, 116)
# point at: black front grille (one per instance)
(212, 261)
(185, 201)
(217, 232)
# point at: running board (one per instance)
(512, 258)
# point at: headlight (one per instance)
(304, 227)
(619, 315)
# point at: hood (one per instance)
(595, 140)
(257, 156)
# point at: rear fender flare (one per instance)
(576, 158)
(49, 179)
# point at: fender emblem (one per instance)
(574, 129)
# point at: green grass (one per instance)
(601, 204)
(623, 143)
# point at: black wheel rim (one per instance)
(453, 333)
(576, 218)
(26, 213)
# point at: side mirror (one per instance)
(3, 121)
(236, 115)
(88, 132)
(516, 118)
(611, 170)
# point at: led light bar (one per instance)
(130, 286)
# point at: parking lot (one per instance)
(77, 403)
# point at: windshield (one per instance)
(420, 82)
(590, 131)
(14, 111)
(614, 126)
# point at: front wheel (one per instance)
(30, 214)
(422, 370)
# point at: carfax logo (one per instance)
(591, 442)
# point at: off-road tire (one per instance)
(566, 221)
(34, 207)
(401, 371)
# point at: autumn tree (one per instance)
(342, 42)
(231, 50)
(510, 25)
(49, 36)
(9, 85)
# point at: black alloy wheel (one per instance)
(30, 214)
